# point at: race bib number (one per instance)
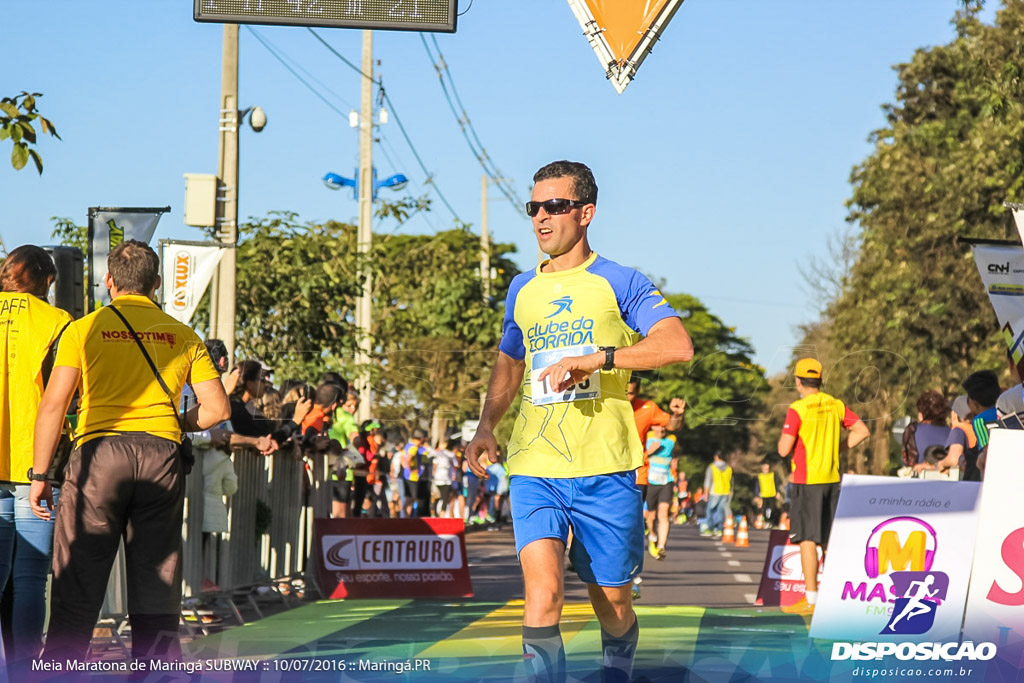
(541, 391)
(657, 476)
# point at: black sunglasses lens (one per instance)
(553, 207)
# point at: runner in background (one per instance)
(661, 477)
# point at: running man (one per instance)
(765, 494)
(661, 477)
(915, 605)
(575, 322)
(812, 435)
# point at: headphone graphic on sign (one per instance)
(871, 551)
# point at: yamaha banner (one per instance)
(392, 558)
(186, 271)
(1002, 271)
(108, 227)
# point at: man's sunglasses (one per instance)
(553, 207)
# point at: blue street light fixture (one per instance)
(396, 182)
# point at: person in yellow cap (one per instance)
(811, 435)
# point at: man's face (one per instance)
(632, 391)
(559, 233)
(765, 467)
(659, 431)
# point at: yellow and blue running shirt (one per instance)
(588, 430)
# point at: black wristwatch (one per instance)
(609, 357)
(32, 476)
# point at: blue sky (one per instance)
(723, 166)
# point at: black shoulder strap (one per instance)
(51, 355)
(145, 354)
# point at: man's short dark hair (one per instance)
(810, 382)
(419, 433)
(983, 388)
(335, 378)
(134, 267)
(327, 394)
(583, 183)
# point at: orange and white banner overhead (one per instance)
(186, 271)
(622, 32)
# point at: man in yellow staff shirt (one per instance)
(125, 477)
(812, 435)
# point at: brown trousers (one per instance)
(129, 486)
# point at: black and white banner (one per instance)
(187, 268)
(108, 227)
(1002, 271)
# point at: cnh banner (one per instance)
(898, 561)
(995, 608)
(392, 558)
(108, 227)
(1002, 271)
(186, 271)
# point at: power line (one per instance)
(466, 125)
(273, 51)
(398, 120)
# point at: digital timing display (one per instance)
(396, 15)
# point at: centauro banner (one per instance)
(1002, 271)
(187, 268)
(108, 227)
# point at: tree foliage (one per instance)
(911, 313)
(17, 115)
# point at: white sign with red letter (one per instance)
(995, 608)
(898, 561)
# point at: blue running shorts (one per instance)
(604, 512)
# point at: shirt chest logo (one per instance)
(564, 304)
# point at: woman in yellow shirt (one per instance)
(29, 326)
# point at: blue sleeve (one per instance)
(511, 335)
(640, 302)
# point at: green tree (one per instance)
(911, 312)
(17, 115)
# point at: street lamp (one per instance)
(396, 182)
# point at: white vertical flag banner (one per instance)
(108, 227)
(995, 606)
(187, 268)
(1002, 272)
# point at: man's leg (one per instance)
(809, 564)
(662, 525)
(87, 532)
(620, 630)
(153, 549)
(543, 651)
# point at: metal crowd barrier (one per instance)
(294, 491)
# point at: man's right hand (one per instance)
(485, 446)
(302, 408)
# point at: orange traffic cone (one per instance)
(784, 522)
(759, 522)
(742, 535)
(728, 536)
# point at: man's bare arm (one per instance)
(213, 408)
(506, 379)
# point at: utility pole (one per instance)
(222, 296)
(485, 242)
(365, 185)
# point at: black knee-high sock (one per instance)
(618, 653)
(543, 654)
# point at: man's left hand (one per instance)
(570, 371)
(677, 406)
(40, 497)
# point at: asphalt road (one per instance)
(698, 571)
